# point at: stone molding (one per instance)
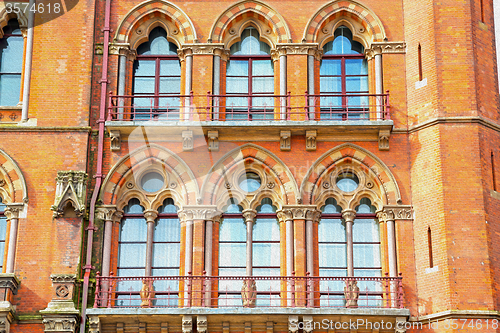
(191, 213)
(70, 187)
(187, 141)
(293, 324)
(297, 49)
(385, 48)
(60, 323)
(150, 215)
(286, 140)
(383, 139)
(203, 49)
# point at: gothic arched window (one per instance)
(11, 64)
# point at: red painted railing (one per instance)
(243, 107)
(243, 291)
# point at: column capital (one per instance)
(12, 211)
(109, 213)
(150, 215)
(392, 213)
(299, 212)
(349, 215)
(249, 215)
(190, 213)
(378, 48)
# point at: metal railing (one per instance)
(244, 107)
(244, 291)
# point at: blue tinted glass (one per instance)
(347, 181)
(143, 67)
(168, 207)
(332, 255)
(133, 207)
(167, 230)
(133, 230)
(250, 44)
(266, 230)
(233, 230)
(152, 182)
(266, 206)
(232, 254)
(365, 207)
(170, 67)
(366, 230)
(356, 67)
(249, 182)
(331, 230)
(10, 89)
(331, 67)
(11, 56)
(343, 43)
(262, 67)
(331, 207)
(157, 44)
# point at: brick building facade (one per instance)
(249, 166)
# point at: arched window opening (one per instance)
(250, 79)
(344, 78)
(429, 244)
(157, 78)
(11, 63)
(332, 247)
(420, 69)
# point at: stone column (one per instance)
(150, 216)
(208, 256)
(124, 54)
(12, 214)
(348, 216)
(108, 214)
(60, 316)
(220, 54)
(186, 54)
(249, 216)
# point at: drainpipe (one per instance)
(98, 176)
(27, 64)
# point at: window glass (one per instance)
(152, 182)
(250, 44)
(132, 241)
(166, 241)
(11, 62)
(249, 182)
(3, 231)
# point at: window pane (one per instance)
(144, 85)
(169, 103)
(262, 67)
(262, 84)
(356, 83)
(232, 254)
(233, 230)
(133, 230)
(166, 255)
(266, 254)
(145, 68)
(331, 84)
(265, 104)
(11, 60)
(366, 255)
(331, 230)
(331, 67)
(237, 85)
(3, 232)
(168, 230)
(266, 230)
(356, 67)
(365, 230)
(332, 255)
(132, 255)
(237, 68)
(170, 85)
(170, 67)
(10, 88)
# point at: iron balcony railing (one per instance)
(243, 291)
(244, 107)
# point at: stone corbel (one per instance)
(311, 140)
(213, 140)
(383, 139)
(201, 324)
(94, 324)
(187, 141)
(71, 188)
(285, 140)
(293, 324)
(115, 140)
(308, 324)
(187, 324)
(9, 281)
(400, 325)
(6, 317)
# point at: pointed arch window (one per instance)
(3, 233)
(11, 55)
(343, 78)
(250, 79)
(157, 78)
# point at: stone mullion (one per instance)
(150, 216)
(12, 214)
(348, 216)
(249, 216)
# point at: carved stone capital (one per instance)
(204, 49)
(302, 212)
(94, 324)
(349, 215)
(60, 323)
(10, 281)
(184, 52)
(249, 215)
(206, 213)
(108, 213)
(392, 213)
(6, 317)
(378, 48)
(222, 53)
(12, 211)
(187, 324)
(277, 53)
(150, 215)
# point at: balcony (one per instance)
(334, 116)
(228, 293)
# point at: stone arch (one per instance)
(278, 182)
(377, 183)
(13, 187)
(364, 24)
(5, 16)
(123, 180)
(271, 25)
(135, 27)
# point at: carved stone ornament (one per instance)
(5, 320)
(285, 140)
(311, 140)
(392, 213)
(115, 140)
(201, 324)
(70, 188)
(213, 140)
(299, 48)
(63, 286)
(308, 324)
(10, 281)
(108, 213)
(400, 325)
(99, 49)
(147, 294)
(12, 211)
(293, 324)
(351, 293)
(60, 323)
(94, 324)
(2, 183)
(249, 293)
(187, 324)
(187, 141)
(383, 139)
